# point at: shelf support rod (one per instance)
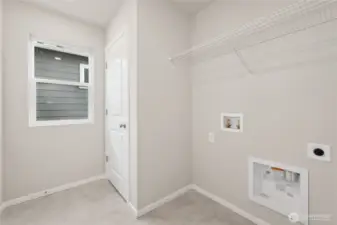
(243, 62)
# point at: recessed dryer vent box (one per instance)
(279, 187)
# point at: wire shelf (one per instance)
(302, 15)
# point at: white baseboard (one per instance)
(144, 210)
(44, 193)
(162, 201)
(134, 210)
(196, 188)
(230, 206)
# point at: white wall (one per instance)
(45, 157)
(164, 102)
(1, 140)
(286, 105)
(126, 20)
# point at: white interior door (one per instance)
(117, 116)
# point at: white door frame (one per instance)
(109, 45)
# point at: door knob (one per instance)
(122, 126)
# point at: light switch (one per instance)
(211, 137)
(319, 152)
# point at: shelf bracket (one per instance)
(243, 62)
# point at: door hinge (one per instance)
(106, 111)
(106, 65)
(107, 158)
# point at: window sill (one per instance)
(59, 123)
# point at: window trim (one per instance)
(83, 67)
(32, 81)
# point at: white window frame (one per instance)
(83, 67)
(32, 81)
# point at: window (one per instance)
(84, 75)
(61, 86)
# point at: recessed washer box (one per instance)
(279, 187)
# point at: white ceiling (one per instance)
(98, 12)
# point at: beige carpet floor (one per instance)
(99, 204)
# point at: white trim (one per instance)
(134, 210)
(31, 84)
(207, 194)
(230, 206)
(32, 81)
(59, 122)
(164, 200)
(59, 47)
(147, 208)
(47, 192)
(61, 82)
(83, 67)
